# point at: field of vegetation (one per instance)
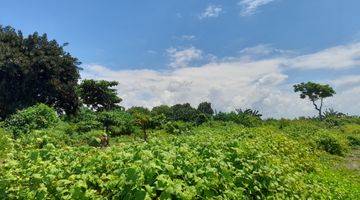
(227, 156)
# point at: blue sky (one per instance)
(161, 40)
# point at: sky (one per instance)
(234, 53)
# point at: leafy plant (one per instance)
(178, 127)
(36, 117)
(117, 122)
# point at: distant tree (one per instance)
(35, 70)
(161, 110)
(254, 113)
(205, 108)
(138, 109)
(183, 112)
(315, 92)
(145, 122)
(99, 95)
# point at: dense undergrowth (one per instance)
(44, 157)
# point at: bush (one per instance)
(201, 118)
(248, 120)
(178, 127)
(354, 140)
(85, 121)
(331, 144)
(93, 138)
(117, 122)
(38, 117)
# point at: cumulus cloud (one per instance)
(228, 85)
(211, 11)
(182, 57)
(339, 57)
(262, 84)
(249, 7)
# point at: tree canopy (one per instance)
(315, 92)
(99, 95)
(35, 70)
(205, 108)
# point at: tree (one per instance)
(161, 110)
(35, 70)
(183, 112)
(205, 108)
(315, 92)
(144, 121)
(254, 113)
(138, 109)
(99, 95)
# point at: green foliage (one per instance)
(183, 112)
(201, 118)
(6, 145)
(161, 110)
(354, 140)
(93, 138)
(205, 108)
(35, 70)
(218, 162)
(117, 122)
(254, 113)
(144, 121)
(36, 117)
(99, 95)
(138, 110)
(315, 92)
(178, 127)
(242, 118)
(332, 143)
(84, 121)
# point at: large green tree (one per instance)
(99, 95)
(183, 112)
(34, 70)
(315, 92)
(205, 108)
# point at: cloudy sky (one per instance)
(234, 53)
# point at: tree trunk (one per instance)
(320, 109)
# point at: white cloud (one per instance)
(249, 7)
(183, 57)
(188, 37)
(346, 81)
(261, 84)
(338, 57)
(211, 11)
(228, 85)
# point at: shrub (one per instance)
(201, 118)
(39, 117)
(85, 121)
(178, 127)
(117, 122)
(246, 119)
(331, 144)
(354, 140)
(93, 138)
